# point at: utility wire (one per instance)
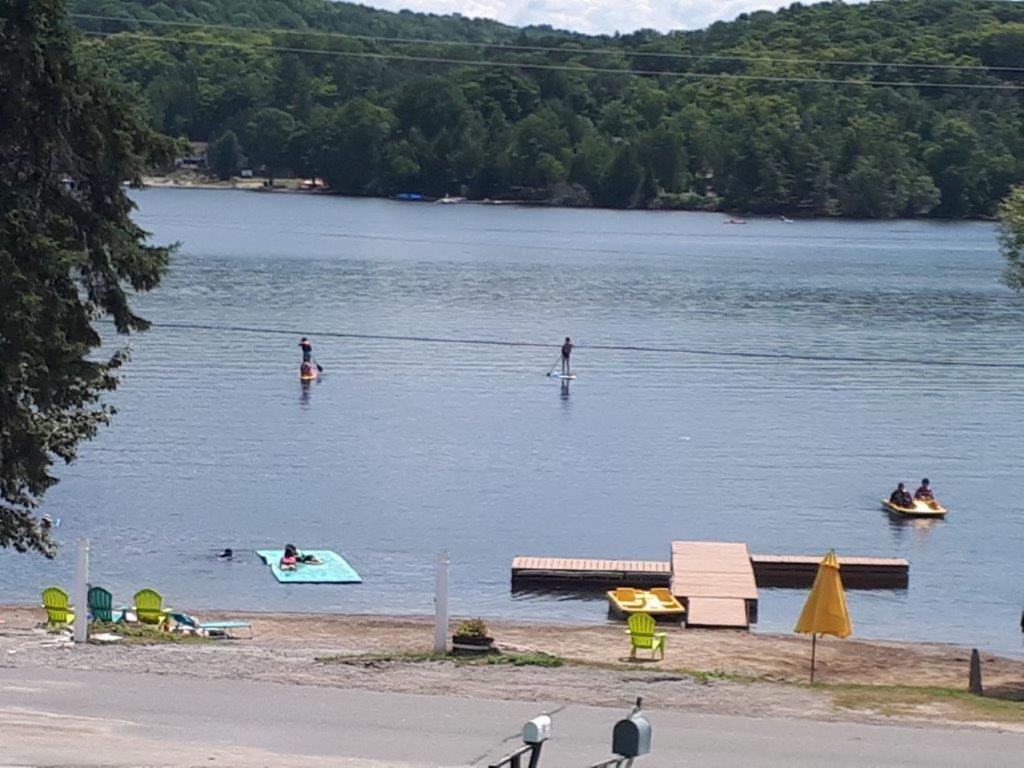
(579, 70)
(702, 351)
(574, 49)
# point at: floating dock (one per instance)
(716, 581)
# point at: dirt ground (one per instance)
(743, 673)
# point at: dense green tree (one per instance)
(1011, 237)
(709, 135)
(225, 156)
(69, 252)
(268, 139)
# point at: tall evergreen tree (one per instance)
(68, 251)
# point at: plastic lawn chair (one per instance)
(642, 636)
(211, 628)
(58, 611)
(101, 605)
(149, 608)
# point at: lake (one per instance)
(406, 447)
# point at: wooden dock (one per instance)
(715, 582)
(857, 572)
(583, 572)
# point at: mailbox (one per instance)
(537, 730)
(631, 737)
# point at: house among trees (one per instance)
(195, 159)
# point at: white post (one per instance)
(81, 596)
(441, 604)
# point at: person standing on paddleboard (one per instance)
(566, 351)
(307, 350)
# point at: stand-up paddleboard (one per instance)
(308, 374)
(564, 376)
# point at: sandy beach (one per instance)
(721, 672)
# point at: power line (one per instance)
(701, 351)
(580, 70)
(575, 49)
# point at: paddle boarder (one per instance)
(566, 352)
(307, 350)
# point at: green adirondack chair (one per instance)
(101, 605)
(642, 635)
(58, 612)
(149, 608)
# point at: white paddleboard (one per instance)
(563, 375)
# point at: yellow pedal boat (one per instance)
(921, 508)
(657, 602)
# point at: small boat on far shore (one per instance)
(736, 221)
(921, 508)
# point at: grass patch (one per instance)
(133, 633)
(909, 701)
(462, 660)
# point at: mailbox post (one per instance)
(535, 733)
(631, 738)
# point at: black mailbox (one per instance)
(631, 737)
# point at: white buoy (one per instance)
(441, 604)
(81, 596)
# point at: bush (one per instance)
(472, 628)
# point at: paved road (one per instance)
(91, 718)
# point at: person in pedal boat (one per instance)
(924, 492)
(901, 497)
(566, 351)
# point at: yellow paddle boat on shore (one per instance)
(658, 603)
(921, 508)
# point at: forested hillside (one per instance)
(898, 108)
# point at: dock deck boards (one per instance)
(796, 571)
(715, 581)
(717, 612)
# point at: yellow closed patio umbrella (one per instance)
(825, 611)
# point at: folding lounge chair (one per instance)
(211, 628)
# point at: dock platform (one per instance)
(715, 582)
(588, 572)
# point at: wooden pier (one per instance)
(716, 581)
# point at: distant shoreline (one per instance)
(291, 186)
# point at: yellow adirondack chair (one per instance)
(642, 635)
(149, 608)
(58, 612)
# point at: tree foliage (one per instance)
(225, 156)
(702, 135)
(69, 253)
(1011, 238)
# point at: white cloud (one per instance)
(591, 16)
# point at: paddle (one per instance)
(319, 368)
(557, 361)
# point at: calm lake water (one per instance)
(405, 447)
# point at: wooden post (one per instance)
(974, 683)
(441, 604)
(814, 646)
(81, 596)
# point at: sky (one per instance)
(592, 16)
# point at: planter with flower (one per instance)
(471, 637)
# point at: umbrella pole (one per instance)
(814, 645)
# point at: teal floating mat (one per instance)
(333, 570)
